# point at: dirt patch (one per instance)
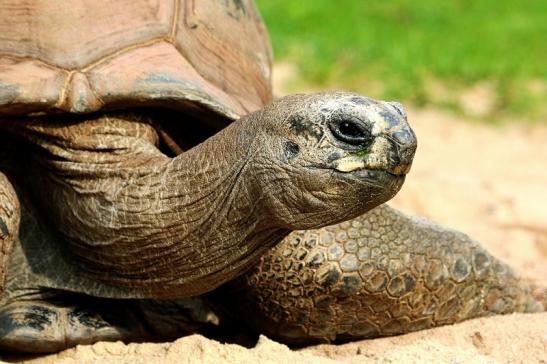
(489, 182)
(479, 100)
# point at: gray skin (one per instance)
(105, 213)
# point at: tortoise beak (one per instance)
(391, 152)
(400, 169)
(403, 147)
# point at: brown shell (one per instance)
(87, 55)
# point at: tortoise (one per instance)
(150, 187)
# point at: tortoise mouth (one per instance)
(378, 178)
(354, 163)
(372, 175)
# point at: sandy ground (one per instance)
(488, 182)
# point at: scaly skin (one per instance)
(380, 274)
(9, 224)
(291, 295)
(108, 214)
(171, 227)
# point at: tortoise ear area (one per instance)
(290, 150)
(304, 129)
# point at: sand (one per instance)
(490, 182)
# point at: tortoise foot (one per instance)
(44, 327)
(66, 320)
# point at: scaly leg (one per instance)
(10, 215)
(380, 274)
(56, 320)
(32, 320)
(38, 317)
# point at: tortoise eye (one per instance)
(349, 132)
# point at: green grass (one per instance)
(418, 51)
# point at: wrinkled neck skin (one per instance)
(163, 227)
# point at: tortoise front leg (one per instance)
(54, 324)
(10, 215)
(380, 274)
(32, 322)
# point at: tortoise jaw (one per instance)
(349, 164)
(354, 163)
(400, 170)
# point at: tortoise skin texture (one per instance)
(380, 274)
(90, 213)
(9, 225)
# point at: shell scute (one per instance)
(98, 54)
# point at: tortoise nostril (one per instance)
(349, 132)
(404, 147)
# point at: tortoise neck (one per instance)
(217, 213)
(166, 227)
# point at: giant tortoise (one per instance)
(145, 165)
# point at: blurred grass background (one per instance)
(483, 58)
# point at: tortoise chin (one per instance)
(381, 180)
(360, 191)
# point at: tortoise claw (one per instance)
(31, 327)
(42, 327)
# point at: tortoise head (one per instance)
(332, 156)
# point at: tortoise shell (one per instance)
(90, 55)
